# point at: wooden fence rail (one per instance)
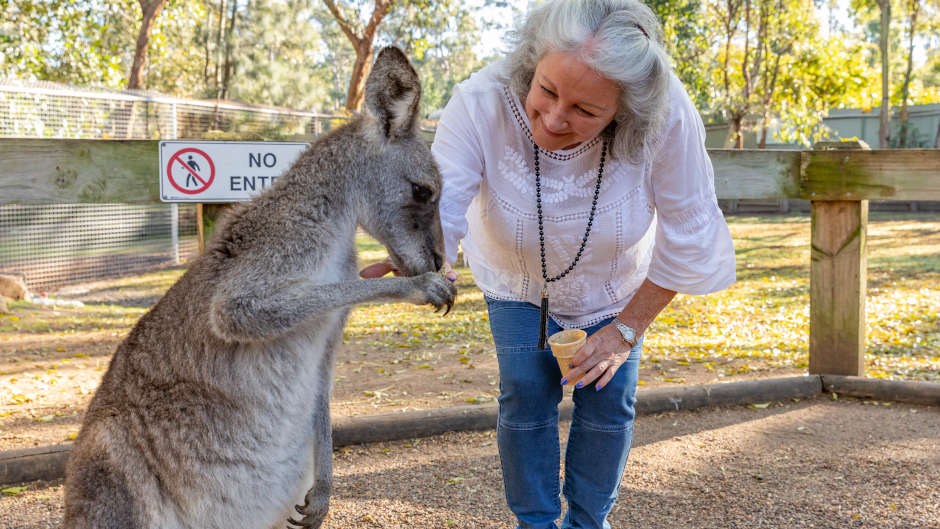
(838, 182)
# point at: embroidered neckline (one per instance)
(523, 123)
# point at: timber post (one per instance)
(838, 262)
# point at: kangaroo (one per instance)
(214, 411)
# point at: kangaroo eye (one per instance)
(420, 193)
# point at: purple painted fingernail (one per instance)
(578, 385)
(570, 366)
(598, 388)
(564, 381)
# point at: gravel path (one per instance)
(819, 463)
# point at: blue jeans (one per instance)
(527, 432)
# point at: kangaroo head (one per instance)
(402, 189)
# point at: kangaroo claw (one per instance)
(300, 523)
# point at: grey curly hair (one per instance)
(621, 39)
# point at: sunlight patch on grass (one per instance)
(763, 317)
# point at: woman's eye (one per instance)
(586, 113)
(420, 193)
(547, 91)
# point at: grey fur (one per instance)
(214, 412)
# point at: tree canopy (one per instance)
(768, 67)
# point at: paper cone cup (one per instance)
(565, 345)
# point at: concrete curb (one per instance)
(30, 464)
(48, 462)
(877, 389)
(409, 425)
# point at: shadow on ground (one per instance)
(818, 463)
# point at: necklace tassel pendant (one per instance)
(543, 318)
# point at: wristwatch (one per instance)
(627, 332)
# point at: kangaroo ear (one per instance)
(392, 93)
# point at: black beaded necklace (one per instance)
(543, 313)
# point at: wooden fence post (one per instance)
(838, 282)
(207, 214)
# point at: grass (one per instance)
(762, 319)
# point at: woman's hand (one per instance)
(450, 273)
(384, 266)
(599, 358)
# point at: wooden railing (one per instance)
(839, 182)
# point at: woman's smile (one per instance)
(568, 102)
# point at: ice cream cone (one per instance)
(565, 345)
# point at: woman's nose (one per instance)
(557, 120)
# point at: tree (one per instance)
(772, 71)
(149, 11)
(913, 9)
(362, 39)
(63, 41)
(751, 49)
(438, 36)
(685, 35)
(884, 127)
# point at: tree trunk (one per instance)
(363, 45)
(207, 49)
(229, 45)
(149, 12)
(905, 90)
(737, 135)
(219, 34)
(884, 128)
(357, 79)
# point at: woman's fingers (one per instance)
(599, 359)
(450, 273)
(604, 380)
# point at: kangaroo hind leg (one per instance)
(317, 500)
(99, 498)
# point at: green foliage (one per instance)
(925, 82)
(685, 35)
(438, 36)
(816, 79)
(292, 53)
(62, 40)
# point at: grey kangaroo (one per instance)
(214, 412)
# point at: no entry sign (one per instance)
(222, 171)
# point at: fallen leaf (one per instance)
(13, 491)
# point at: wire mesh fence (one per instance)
(59, 244)
(55, 245)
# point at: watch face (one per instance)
(628, 333)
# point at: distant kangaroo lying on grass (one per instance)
(214, 412)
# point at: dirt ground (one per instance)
(816, 463)
(48, 378)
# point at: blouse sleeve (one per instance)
(459, 155)
(693, 253)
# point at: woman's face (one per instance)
(568, 102)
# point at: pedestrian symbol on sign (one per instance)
(190, 176)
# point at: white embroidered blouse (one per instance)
(658, 219)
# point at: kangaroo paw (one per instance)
(313, 511)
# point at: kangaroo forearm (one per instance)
(263, 313)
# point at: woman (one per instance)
(575, 176)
